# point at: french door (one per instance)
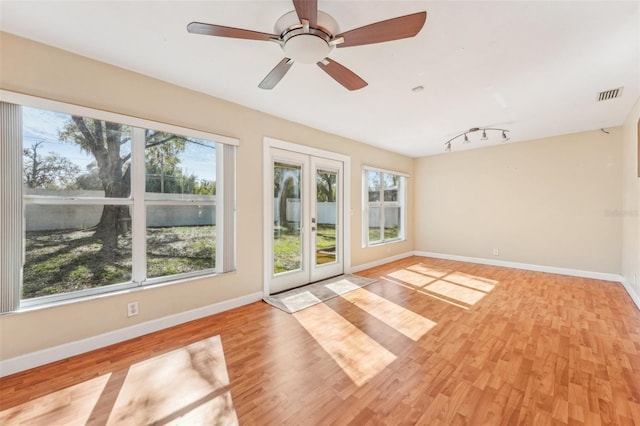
(307, 219)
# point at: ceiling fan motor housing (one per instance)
(305, 44)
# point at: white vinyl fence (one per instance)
(48, 217)
(327, 213)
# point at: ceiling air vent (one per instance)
(610, 94)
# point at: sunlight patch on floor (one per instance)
(342, 287)
(407, 322)
(428, 270)
(305, 298)
(471, 281)
(456, 292)
(413, 278)
(443, 284)
(359, 356)
(69, 406)
(185, 386)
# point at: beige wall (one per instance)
(549, 202)
(43, 71)
(631, 203)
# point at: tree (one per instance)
(105, 141)
(326, 186)
(90, 179)
(286, 181)
(51, 171)
(205, 187)
(162, 161)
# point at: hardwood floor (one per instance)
(432, 342)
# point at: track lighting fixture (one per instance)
(447, 144)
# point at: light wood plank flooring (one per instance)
(432, 342)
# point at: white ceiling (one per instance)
(534, 68)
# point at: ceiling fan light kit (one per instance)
(308, 36)
(301, 42)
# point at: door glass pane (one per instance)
(287, 239)
(327, 215)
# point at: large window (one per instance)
(383, 206)
(106, 204)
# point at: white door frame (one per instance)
(267, 190)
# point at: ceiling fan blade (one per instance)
(276, 74)
(308, 10)
(391, 29)
(222, 31)
(341, 74)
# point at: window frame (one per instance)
(225, 188)
(367, 205)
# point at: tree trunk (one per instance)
(115, 219)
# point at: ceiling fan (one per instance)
(308, 35)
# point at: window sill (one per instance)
(34, 305)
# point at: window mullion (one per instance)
(138, 210)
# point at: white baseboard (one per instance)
(56, 353)
(634, 296)
(525, 266)
(379, 262)
(538, 268)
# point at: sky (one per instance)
(44, 126)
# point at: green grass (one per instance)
(389, 233)
(65, 261)
(286, 247)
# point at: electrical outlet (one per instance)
(132, 309)
(496, 252)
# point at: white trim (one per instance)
(506, 264)
(66, 350)
(138, 211)
(49, 104)
(526, 266)
(387, 171)
(382, 205)
(88, 201)
(304, 149)
(267, 217)
(379, 262)
(635, 297)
